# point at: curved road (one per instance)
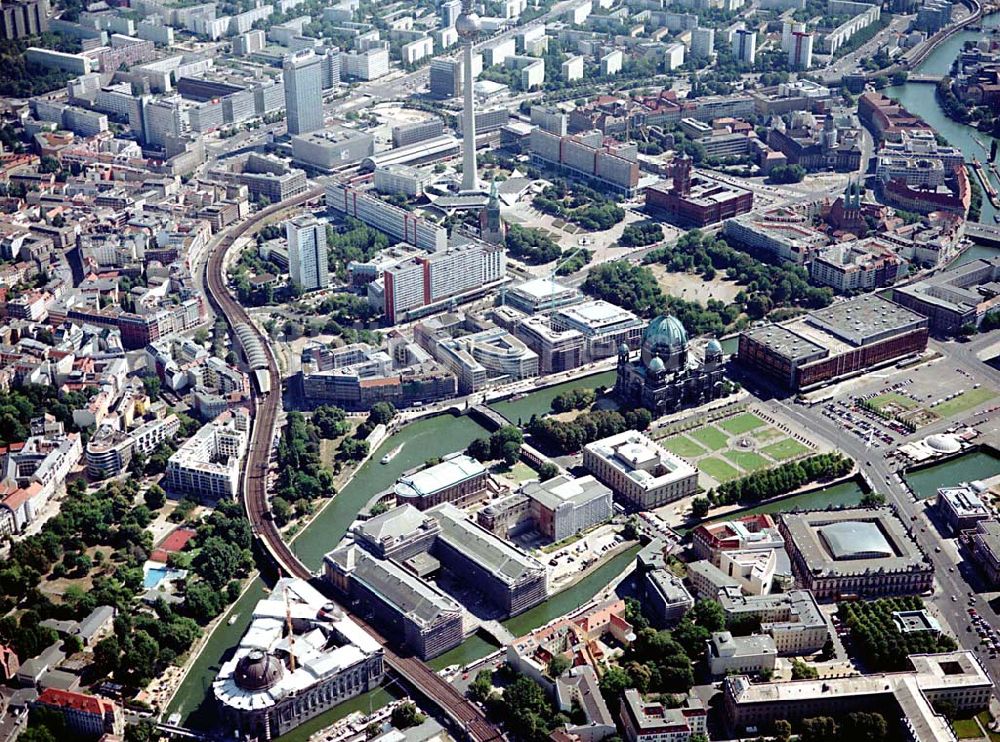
(265, 413)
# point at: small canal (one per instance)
(540, 402)
(981, 464)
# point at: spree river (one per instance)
(919, 98)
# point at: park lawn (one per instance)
(717, 469)
(741, 423)
(786, 449)
(521, 472)
(893, 398)
(768, 434)
(711, 438)
(964, 401)
(967, 728)
(683, 446)
(747, 460)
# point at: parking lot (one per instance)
(887, 408)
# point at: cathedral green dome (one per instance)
(664, 337)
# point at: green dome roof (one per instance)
(664, 334)
(714, 346)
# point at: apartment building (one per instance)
(85, 716)
(208, 465)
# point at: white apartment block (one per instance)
(370, 64)
(702, 43)
(611, 63)
(674, 55)
(394, 221)
(208, 465)
(914, 170)
(395, 178)
(414, 51)
(307, 252)
(572, 69)
(427, 281)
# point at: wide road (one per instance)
(254, 487)
(881, 476)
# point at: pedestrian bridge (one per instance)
(919, 77)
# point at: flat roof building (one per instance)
(844, 339)
(857, 551)
(603, 325)
(490, 356)
(459, 479)
(558, 350)
(652, 721)
(746, 655)
(955, 677)
(749, 533)
(962, 507)
(208, 464)
(331, 148)
(542, 294)
(984, 543)
(959, 296)
(639, 471)
(565, 505)
(793, 619)
(664, 598)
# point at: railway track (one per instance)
(265, 409)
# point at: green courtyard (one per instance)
(735, 446)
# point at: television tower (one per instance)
(467, 26)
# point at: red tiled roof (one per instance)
(20, 496)
(78, 701)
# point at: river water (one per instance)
(919, 98)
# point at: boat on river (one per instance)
(392, 454)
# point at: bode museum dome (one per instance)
(665, 377)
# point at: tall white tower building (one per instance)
(303, 76)
(745, 46)
(307, 256)
(468, 27)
